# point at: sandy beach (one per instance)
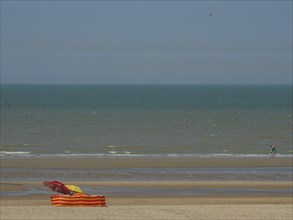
(238, 206)
(151, 212)
(208, 207)
(184, 207)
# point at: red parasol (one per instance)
(57, 187)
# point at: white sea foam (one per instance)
(127, 154)
(14, 153)
(112, 152)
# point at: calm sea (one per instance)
(145, 120)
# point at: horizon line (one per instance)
(156, 84)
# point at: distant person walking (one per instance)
(273, 151)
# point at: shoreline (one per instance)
(112, 163)
(160, 184)
(147, 189)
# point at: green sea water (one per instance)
(145, 120)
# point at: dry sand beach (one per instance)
(233, 206)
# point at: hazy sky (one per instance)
(165, 42)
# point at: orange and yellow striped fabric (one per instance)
(78, 200)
